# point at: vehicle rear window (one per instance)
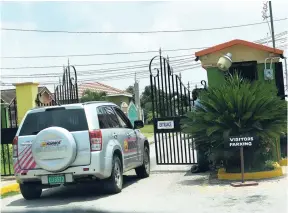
(70, 119)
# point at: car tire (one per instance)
(115, 182)
(144, 170)
(30, 191)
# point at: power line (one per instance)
(124, 53)
(81, 65)
(100, 71)
(175, 63)
(102, 54)
(137, 32)
(182, 62)
(127, 75)
(278, 35)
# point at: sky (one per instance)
(123, 16)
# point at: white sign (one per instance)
(240, 141)
(165, 125)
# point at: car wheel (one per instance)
(144, 170)
(30, 191)
(116, 180)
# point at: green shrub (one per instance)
(237, 107)
(269, 165)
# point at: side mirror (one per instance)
(138, 124)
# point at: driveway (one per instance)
(168, 189)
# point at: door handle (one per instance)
(128, 135)
(115, 135)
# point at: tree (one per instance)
(238, 107)
(169, 101)
(89, 95)
(130, 90)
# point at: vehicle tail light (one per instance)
(95, 140)
(15, 147)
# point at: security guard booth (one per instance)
(253, 61)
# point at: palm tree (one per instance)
(238, 107)
(89, 95)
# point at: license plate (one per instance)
(57, 179)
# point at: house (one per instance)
(114, 95)
(8, 97)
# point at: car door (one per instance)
(131, 145)
(110, 127)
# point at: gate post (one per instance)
(25, 95)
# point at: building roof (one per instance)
(8, 95)
(99, 87)
(238, 42)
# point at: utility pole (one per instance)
(286, 72)
(272, 25)
(137, 98)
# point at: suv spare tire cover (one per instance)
(54, 149)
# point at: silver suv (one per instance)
(67, 144)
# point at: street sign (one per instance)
(235, 141)
(241, 142)
(165, 124)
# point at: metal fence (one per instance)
(8, 131)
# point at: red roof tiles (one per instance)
(99, 87)
(238, 42)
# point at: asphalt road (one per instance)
(168, 189)
(93, 196)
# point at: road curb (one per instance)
(14, 187)
(277, 172)
(284, 162)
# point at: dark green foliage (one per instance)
(238, 107)
(89, 95)
(130, 89)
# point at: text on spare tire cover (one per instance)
(50, 146)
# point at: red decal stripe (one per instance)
(24, 165)
(25, 149)
(33, 165)
(24, 155)
(28, 155)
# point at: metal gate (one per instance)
(67, 90)
(171, 100)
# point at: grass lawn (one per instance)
(8, 194)
(148, 130)
(6, 166)
(6, 159)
